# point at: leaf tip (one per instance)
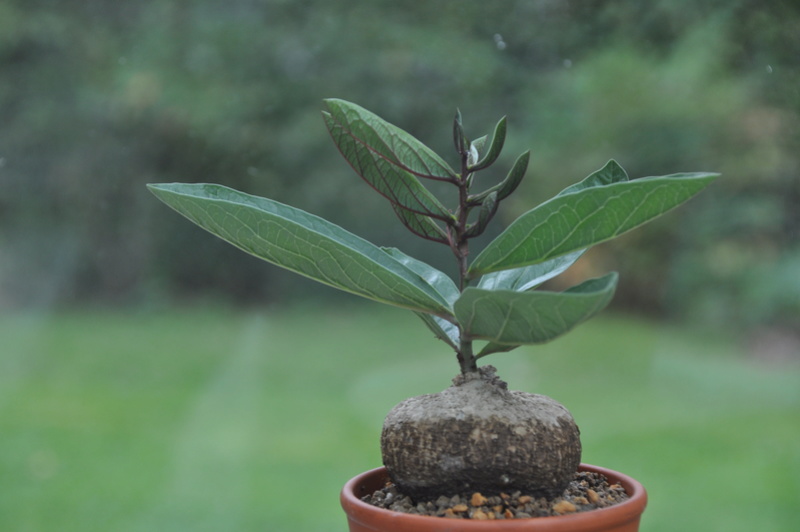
(155, 188)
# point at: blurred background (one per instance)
(155, 378)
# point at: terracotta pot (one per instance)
(363, 517)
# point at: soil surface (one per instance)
(587, 491)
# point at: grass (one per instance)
(232, 420)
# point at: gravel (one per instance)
(587, 491)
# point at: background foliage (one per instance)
(99, 98)
(168, 420)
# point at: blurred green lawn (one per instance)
(234, 420)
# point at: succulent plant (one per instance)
(476, 434)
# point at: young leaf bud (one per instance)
(498, 140)
(485, 215)
(458, 135)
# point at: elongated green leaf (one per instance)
(512, 318)
(387, 140)
(612, 172)
(580, 219)
(442, 329)
(492, 347)
(437, 279)
(302, 243)
(528, 277)
(510, 183)
(498, 140)
(392, 181)
(520, 280)
(445, 330)
(459, 140)
(514, 177)
(421, 225)
(485, 214)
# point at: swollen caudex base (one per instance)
(479, 436)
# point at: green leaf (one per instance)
(421, 225)
(580, 219)
(520, 280)
(492, 347)
(528, 277)
(514, 177)
(511, 318)
(388, 141)
(437, 279)
(443, 329)
(391, 181)
(478, 144)
(459, 140)
(485, 214)
(303, 243)
(610, 173)
(498, 140)
(444, 285)
(506, 187)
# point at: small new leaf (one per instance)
(498, 140)
(506, 187)
(479, 143)
(487, 211)
(459, 139)
(514, 177)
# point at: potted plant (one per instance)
(475, 436)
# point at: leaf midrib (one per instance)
(337, 234)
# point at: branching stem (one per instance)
(459, 243)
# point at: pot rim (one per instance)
(624, 512)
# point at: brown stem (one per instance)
(459, 243)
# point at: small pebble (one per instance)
(477, 499)
(564, 507)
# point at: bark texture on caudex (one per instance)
(479, 436)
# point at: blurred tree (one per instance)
(102, 97)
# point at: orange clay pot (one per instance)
(363, 517)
